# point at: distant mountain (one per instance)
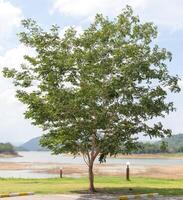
(32, 145)
(175, 144)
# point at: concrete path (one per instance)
(79, 197)
(65, 197)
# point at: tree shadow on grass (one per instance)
(114, 193)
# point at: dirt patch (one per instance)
(76, 170)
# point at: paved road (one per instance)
(79, 197)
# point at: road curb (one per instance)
(139, 196)
(16, 194)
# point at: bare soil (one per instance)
(76, 170)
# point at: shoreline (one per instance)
(81, 170)
(132, 156)
(153, 156)
(144, 156)
(144, 169)
(8, 155)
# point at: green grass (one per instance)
(111, 185)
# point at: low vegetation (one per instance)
(113, 185)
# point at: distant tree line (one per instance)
(146, 148)
(158, 147)
(7, 148)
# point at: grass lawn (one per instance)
(103, 184)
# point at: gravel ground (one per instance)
(79, 197)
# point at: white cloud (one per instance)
(166, 13)
(83, 8)
(13, 126)
(10, 17)
(9, 14)
(15, 57)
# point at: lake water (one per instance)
(47, 157)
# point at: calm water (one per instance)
(46, 157)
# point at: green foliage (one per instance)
(164, 146)
(94, 93)
(152, 148)
(175, 143)
(6, 148)
(148, 148)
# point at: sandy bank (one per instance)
(77, 170)
(8, 155)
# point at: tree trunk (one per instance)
(91, 178)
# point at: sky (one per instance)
(167, 15)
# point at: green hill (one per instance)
(32, 145)
(7, 149)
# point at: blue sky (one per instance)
(167, 15)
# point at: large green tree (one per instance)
(93, 93)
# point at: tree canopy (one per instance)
(7, 148)
(94, 92)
